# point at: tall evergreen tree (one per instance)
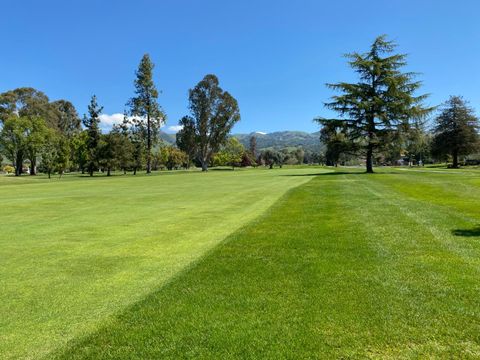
(456, 130)
(92, 125)
(382, 100)
(144, 105)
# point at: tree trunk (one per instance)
(271, 166)
(455, 159)
(108, 171)
(149, 145)
(18, 164)
(49, 173)
(33, 166)
(134, 171)
(204, 166)
(370, 159)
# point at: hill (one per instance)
(282, 139)
(276, 140)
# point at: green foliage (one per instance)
(144, 105)
(35, 140)
(55, 153)
(382, 100)
(186, 138)
(68, 122)
(13, 140)
(230, 154)
(335, 135)
(22, 138)
(8, 169)
(92, 125)
(214, 113)
(80, 150)
(272, 157)
(456, 130)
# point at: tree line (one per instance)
(383, 120)
(52, 138)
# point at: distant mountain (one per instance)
(282, 139)
(274, 140)
(168, 138)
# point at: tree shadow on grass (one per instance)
(332, 173)
(475, 232)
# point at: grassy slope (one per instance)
(347, 265)
(76, 250)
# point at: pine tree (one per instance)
(456, 130)
(383, 99)
(92, 125)
(145, 106)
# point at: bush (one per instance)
(8, 169)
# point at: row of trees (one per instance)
(33, 130)
(382, 117)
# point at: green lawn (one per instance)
(74, 251)
(345, 265)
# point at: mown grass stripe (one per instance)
(338, 268)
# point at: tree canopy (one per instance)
(456, 130)
(381, 101)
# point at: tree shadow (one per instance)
(475, 232)
(333, 173)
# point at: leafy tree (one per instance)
(334, 135)
(186, 138)
(145, 106)
(28, 102)
(80, 150)
(55, 153)
(35, 139)
(270, 157)
(68, 121)
(92, 125)
(174, 157)
(214, 113)
(248, 160)
(137, 133)
(417, 144)
(124, 150)
(456, 130)
(63, 154)
(382, 100)
(49, 153)
(230, 154)
(23, 102)
(13, 140)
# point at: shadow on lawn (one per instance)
(327, 173)
(467, 232)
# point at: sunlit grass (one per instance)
(76, 250)
(344, 266)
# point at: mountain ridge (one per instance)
(273, 140)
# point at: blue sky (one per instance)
(273, 56)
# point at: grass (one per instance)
(346, 265)
(76, 250)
